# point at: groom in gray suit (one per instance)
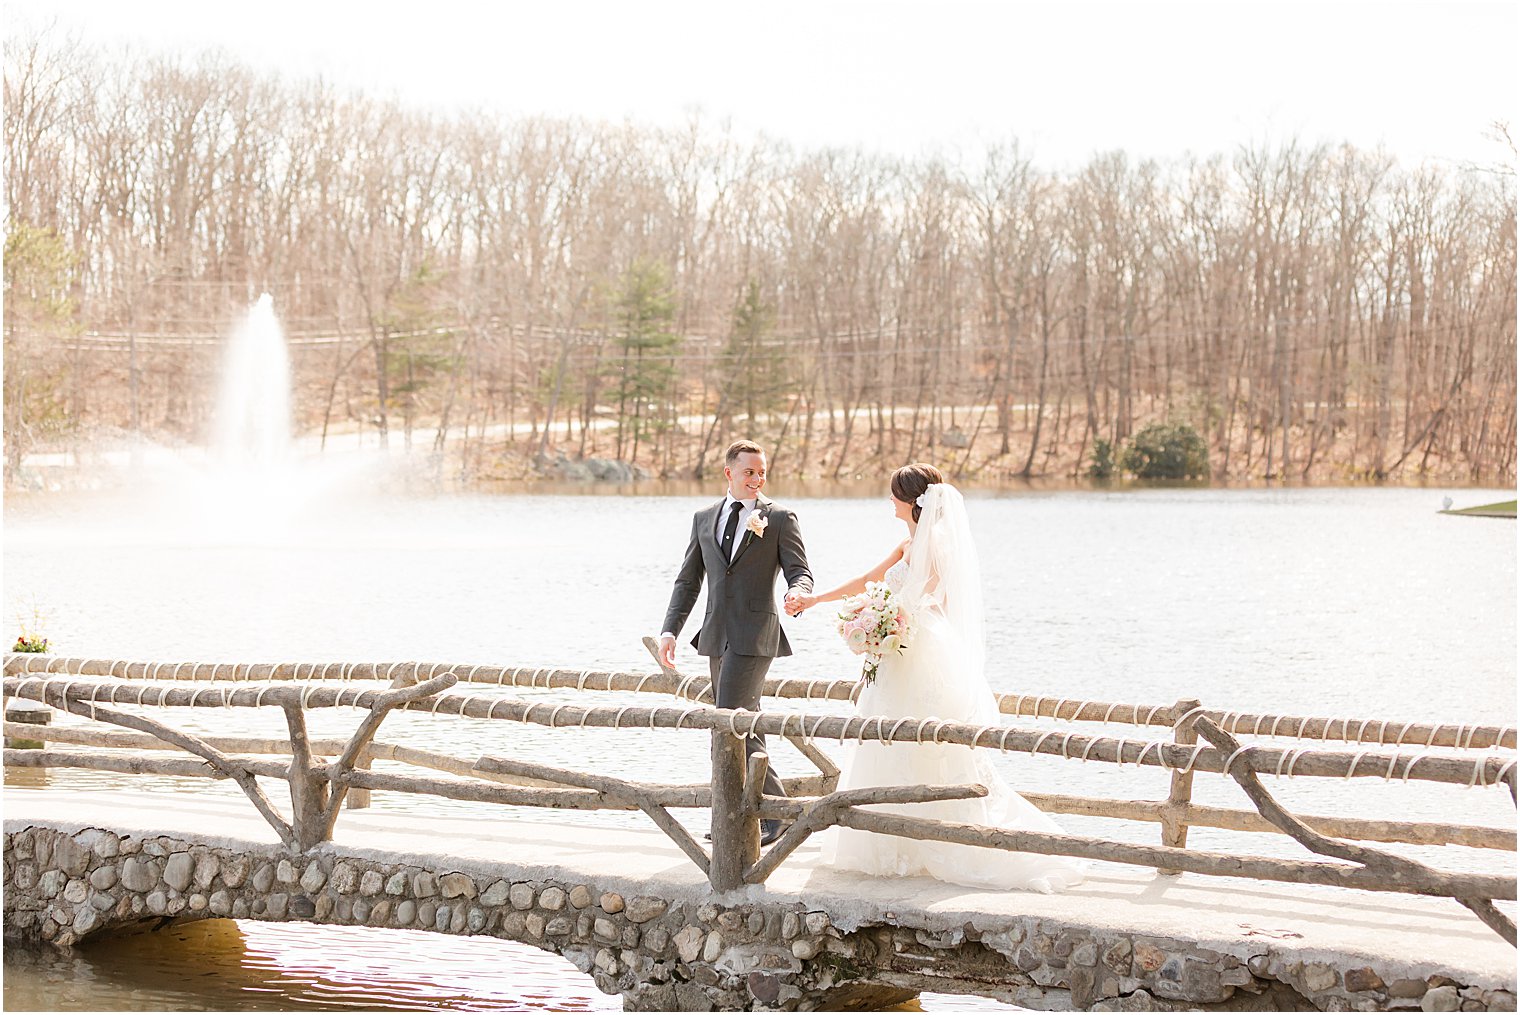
(739, 545)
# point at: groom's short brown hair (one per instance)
(738, 448)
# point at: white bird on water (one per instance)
(1445, 503)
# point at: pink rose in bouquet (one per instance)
(874, 624)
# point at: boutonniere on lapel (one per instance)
(756, 524)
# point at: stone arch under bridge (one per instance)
(669, 943)
(659, 953)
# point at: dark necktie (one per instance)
(729, 530)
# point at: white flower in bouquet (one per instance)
(874, 625)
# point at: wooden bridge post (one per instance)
(732, 824)
(1174, 827)
(754, 791)
(358, 796)
(308, 793)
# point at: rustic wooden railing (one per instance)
(318, 786)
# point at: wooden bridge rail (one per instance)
(1349, 729)
(1423, 766)
(1176, 815)
(317, 790)
(699, 794)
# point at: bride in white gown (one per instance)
(938, 674)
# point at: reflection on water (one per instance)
(39, 778)
(226, 965)
(244, 966)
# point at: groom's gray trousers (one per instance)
(737, 681)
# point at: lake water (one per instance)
(1361, 602)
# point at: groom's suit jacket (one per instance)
(741, 595)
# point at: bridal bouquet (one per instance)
(872, 624)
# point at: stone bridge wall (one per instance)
(674, 954)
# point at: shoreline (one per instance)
(1499, 509)
(78, 481)
(117, 466)
(828, 447)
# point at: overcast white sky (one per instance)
(1067, 79)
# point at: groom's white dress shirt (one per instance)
(744, 515)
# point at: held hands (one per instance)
(797, 601)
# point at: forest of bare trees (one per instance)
(507, 291)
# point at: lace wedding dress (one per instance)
(939, 674)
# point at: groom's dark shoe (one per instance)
(770, 831)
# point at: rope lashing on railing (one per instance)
(783, 687)
(1189, 716)
(1287, 760)
(1499, 778)
(1230, 761)
(1290, 757)
(1485, 770)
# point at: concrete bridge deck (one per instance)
(631, 909)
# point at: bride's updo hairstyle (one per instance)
(910, 482)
